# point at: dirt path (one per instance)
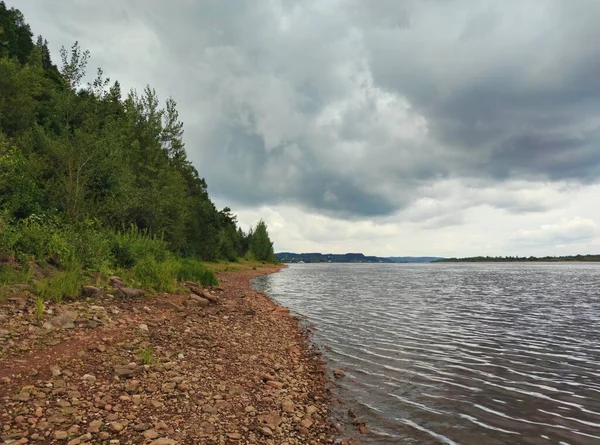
(234, 371)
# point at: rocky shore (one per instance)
(223, 365)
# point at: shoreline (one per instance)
(163, 370)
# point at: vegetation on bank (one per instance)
(94, 182)
(508, 259)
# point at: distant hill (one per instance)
(290, 257)
(509, 259)
(414, 259)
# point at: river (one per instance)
(457, 353)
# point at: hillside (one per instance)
(290, 257)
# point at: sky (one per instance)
(388, 127)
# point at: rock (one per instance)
(90, 291)
(64, 321)
(273, 420)
(338, 373)
(235, 436)
(288, 406)
(163, 441)
(116, 282)
(126, 370)
(274, 384)
(266, 431)
(132, 387)
(150, 434)
(129, 292)
(195, 300)
(115, 427)
(311, 409)
(203, 293)
(143, 327)
(55, 370)
(60, 435)
(22, 396)
(306, 422)
(94, 426)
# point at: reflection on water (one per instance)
(458, 353)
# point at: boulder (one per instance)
(129, 292)
(195, 300)
(90, 291)
(65, 321)
(116, 282)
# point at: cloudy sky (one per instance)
(389, 127)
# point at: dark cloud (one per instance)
(351, 108)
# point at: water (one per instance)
(458, 353)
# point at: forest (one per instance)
(94, 179)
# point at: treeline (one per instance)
(84, 167)
(508, 259)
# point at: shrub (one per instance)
(159, 276)
(61, 285)
(134, 244)
(193, 270)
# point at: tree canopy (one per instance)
(76, 153)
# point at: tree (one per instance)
(260, 243)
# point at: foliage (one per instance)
(130, 246)
(260, 244)
(62, 285)
(39, 309)
(91, 180)
(159, 276)
(146, 356)
(193, 270)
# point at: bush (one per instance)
(159, 276)
(193, 270)
(134, 244)
(61, 285)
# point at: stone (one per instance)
(55, 370)
(90, 291)
(338, 373)
(266, 431)
(143, 327)
(274, 384)
(125, 370)
(63, 321)
(60, 435)
(115, 427)
(306, 422)
(22, 396)
(163, 441)
(94, 426)
(273, 420)
(288, 406)
(150, 434)
(196, 300)
(129, 292)
(116, 282)
(311, 409)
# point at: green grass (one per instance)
(194, 270)
(158, 276)
(62, 285)
(146, 356)
(11, 273)
(39, 309)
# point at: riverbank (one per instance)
(226, 366)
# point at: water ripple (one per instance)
(458, 353)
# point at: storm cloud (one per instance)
(413, 110)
